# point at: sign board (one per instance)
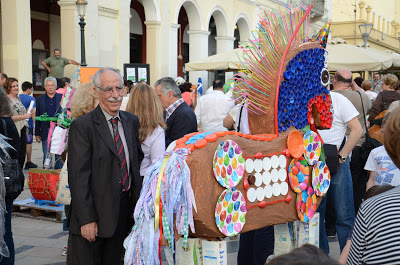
(136, 72)
(87, 74)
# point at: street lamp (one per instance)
(81, 6)
(365, 30)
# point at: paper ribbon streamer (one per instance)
(157, 205)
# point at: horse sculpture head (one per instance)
(284, 77)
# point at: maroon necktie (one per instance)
(121, 154)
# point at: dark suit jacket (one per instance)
(94, 170)
(181, 122)
(42, 127)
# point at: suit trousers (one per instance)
(104, 251)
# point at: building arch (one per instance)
(135, 23)
(221, 21)
(193, 12)
(151, 10)
(243, 26)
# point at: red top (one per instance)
(188, 97)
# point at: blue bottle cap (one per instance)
(287, 75)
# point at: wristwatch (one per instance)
(341, 158)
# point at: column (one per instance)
(361, 5)
(373, 19)
(198, 49)
(387, 28)
(16, 39)
(383, 24)
(153, 54)
(173, 44)
(70, 34)
(397, 27)
(368, 14)
(393, 29)
(224, 44)
(123, 43)
(379, 23)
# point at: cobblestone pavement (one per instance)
(40, 241)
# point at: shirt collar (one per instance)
(108, 116)
(218, 91)
(173, 107)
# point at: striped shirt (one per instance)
(173, 107)
(376, 235)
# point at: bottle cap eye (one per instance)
(325, 78)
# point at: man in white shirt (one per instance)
(212, 108)
(341, 187)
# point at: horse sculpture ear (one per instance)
(322, 35)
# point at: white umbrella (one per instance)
(340, 55)
(357, 59)
(222, 61)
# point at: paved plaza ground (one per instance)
(40, 241)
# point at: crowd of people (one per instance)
(120, 129)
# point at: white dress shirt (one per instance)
(211, 110)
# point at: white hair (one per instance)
(50, 79)
(96, 78)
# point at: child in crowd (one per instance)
(382, 169)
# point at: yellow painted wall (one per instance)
(343, 10)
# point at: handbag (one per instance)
(370, 143)
(63, 193)
(13, 176)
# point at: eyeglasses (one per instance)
(110, 90)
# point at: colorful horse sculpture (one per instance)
(242, 182)
(284, 86)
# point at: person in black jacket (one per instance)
(48, 103)
(104, 156)
(6, 123)
(179, 117)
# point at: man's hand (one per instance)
(46, 66)
(89, 231)
(38, 139)
(28, 115)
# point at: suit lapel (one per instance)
(103, 129)
(128, 131)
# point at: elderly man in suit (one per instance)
(48, 103)
(179, 117)
(103, 168)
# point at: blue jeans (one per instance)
(59, 164)
(8, 236)
(341, 190)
